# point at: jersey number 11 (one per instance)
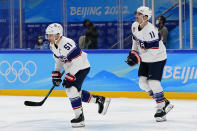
(152, 34)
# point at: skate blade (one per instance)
(106, 105)
(78, 125)
(160, 119)
(169, 108)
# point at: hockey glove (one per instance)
(133, 58)
(56, 78)
(69, 80)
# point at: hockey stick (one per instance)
(32, 103)
(119, 42)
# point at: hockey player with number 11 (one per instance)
(152, 58)
(67, 54)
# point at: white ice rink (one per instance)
(123, 115)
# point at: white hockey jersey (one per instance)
(69, 56)
(155, 49)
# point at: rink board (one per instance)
(29, 73)
(112, 94)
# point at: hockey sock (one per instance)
(160, 99)
(76, 105)
(75, 100)
(143, 83)
(87, 97)
(150, 93)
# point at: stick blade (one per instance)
(31, 103)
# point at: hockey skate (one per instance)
(78, 121)
(161, 113)
(103, 104)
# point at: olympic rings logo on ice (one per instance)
(17, 74)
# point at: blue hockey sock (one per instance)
(76, 102)
(159, 97)
(150, 93)
(86, 96)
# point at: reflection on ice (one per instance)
(123, 115)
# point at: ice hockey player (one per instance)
(67, 54)
(152, 58)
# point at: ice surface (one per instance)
(123, 115)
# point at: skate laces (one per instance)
(159, 110)
(100, 100)
(76, 117)
(161, 105)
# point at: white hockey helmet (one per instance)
(145, 11)
(54, 29)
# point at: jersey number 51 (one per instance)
(67, 46)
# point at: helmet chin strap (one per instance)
(142, 21)
(57, 39)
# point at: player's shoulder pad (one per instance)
(68, 40)
(151, 27)
(135, 23)
(134, 26)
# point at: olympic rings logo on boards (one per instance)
(23, 70)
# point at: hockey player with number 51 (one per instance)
(152, 58)
(67, 54)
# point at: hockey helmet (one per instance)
(54, 29)
(145, 11)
